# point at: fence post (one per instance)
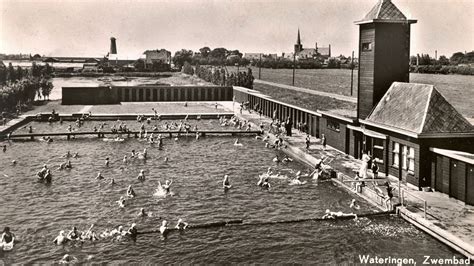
(425, 208)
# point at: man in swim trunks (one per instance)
(166, 187)
(130, 192)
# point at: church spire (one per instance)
(298, 40)
(298, 45)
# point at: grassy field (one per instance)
(458, 89)
(308, 101)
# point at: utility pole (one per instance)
(260, 67)
(352, 71)
(294, 67)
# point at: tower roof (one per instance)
(385, 11)
(418, 109)
(298, 40)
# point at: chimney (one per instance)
(329, 50)
(113, 46)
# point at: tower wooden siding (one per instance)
(365, 93)
(392, 56)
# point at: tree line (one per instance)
(458, 63)
(219, 75)
(19, 86)
(207, 56)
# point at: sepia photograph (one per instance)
(217, 132)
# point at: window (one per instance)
(404, 157)
(396, 154)
(333, 125)
(378, 150)
(411, 159)
(367, 46)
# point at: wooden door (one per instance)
(470, 185)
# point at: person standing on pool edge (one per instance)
(323, 141)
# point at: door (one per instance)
(453, 179)
(470, 185)
(439, 174)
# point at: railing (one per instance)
(405, 193)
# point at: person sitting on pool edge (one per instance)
(333, 215)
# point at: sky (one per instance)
(84, 27)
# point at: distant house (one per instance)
(90, 67)
(253, 56)
(162, 56)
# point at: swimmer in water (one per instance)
(14, 162)
(60, 239)
(226, 183)
(112, 181)
(130, 192)
(4, 148)
(333, 215)
(132, 231)
(107, 162)
(121, 202)
(99, 176)
(237, 143)
(181, 225)
(276, 159)
(141, 175)
(166, 159)
(125, 159)
(68, 164)
(143, 213)
(354, 205)
(48, 176)
(133, 154)
(164, 227)
(68, 154)
(74, 234)
(166, 187)
(7, 238)
(76, 155)
(287, 160)
(68, 259)
(144, 153)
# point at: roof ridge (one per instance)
(423, 121)
(460, 118)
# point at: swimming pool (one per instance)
(36, 212)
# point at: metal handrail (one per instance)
(425, 203)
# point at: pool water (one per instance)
(88, 126)
(36, 211)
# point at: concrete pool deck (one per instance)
(447, 219)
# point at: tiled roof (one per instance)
(418, 108)
(384, 10)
